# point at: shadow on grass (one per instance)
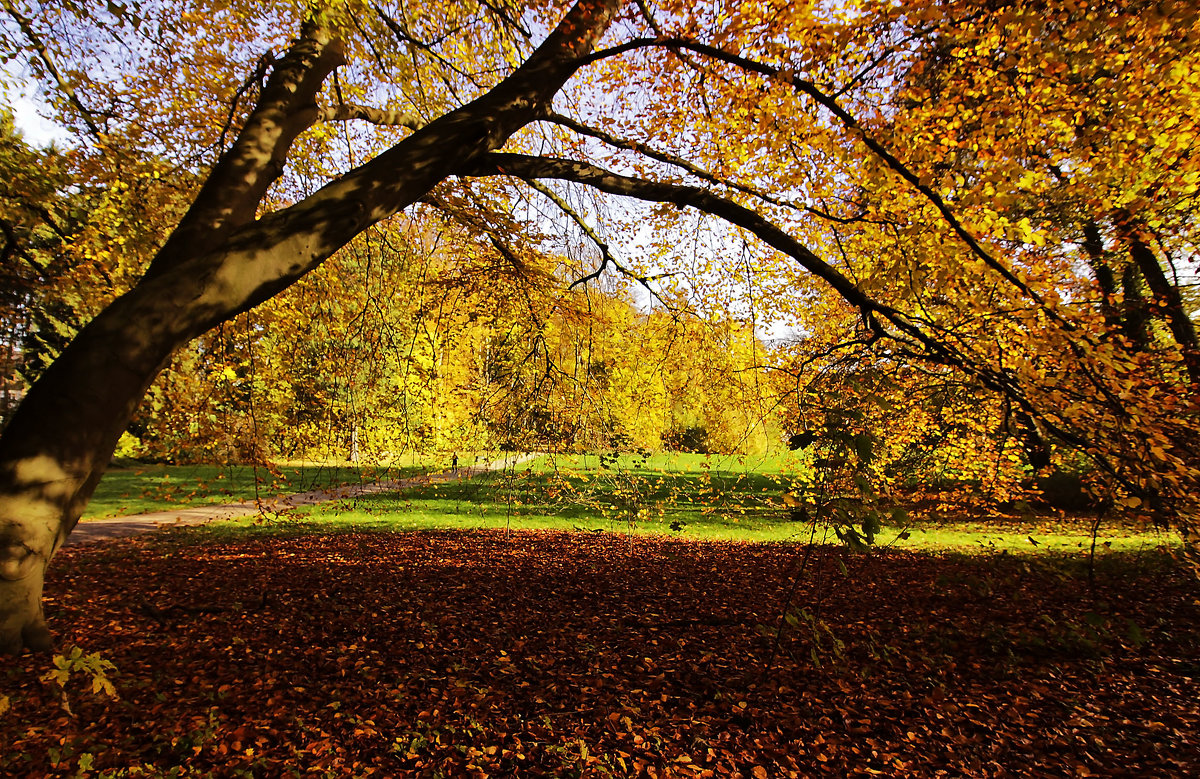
(138, 489)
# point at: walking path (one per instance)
(95, 530)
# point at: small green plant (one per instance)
(92, 666)
(840, 492)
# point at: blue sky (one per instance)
(19, 93)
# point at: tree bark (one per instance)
(1167, 301)
(62, 437)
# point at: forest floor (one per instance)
(544, 653)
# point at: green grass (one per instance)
(1007, 536)
(687, 496)
(676, 462)
(139, 489)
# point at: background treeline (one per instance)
(433, 334)
(426, 335)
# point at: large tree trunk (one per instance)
(60, 440)
(55, 450)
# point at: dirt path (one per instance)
(111, 528)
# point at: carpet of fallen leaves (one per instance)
(552, 654)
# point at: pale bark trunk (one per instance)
(61, 438)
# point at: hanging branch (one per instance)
(606, 256)
(671, 159)
(64, 85)
(907, 331)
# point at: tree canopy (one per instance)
(967, 217)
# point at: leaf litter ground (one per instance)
(557, 654)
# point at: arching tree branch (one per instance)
(849, 122)
(346, 112)
(904, 329)
(220, 262)
(236, 185)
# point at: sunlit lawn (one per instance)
(688, 496)
(138, 489)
